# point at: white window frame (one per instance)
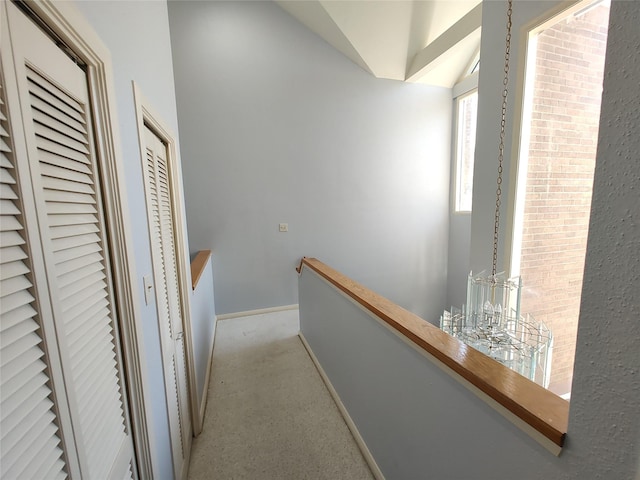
(463, 89)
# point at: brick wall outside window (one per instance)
(564, 129)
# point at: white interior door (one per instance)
(69, 251)
(31, 440)
(168, 300)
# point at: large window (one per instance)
(466, 120)
(563, 89)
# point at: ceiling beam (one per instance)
(430, 56)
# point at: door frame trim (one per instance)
(67, 22)
(147, 116)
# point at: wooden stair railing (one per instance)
(198, 265)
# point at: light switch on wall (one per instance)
(283, 227)
(148, 288)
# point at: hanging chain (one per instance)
(505, 91)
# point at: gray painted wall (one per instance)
(203, 326)
(459, 258)
(276, 126)
(137, 35)
(415, 419)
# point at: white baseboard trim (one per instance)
(207, 377)
(373, 466)
(260, 311)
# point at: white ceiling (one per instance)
(423, 41)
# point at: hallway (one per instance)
(269, 415)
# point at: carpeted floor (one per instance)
(269, 415)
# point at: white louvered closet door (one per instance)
(30, 443)
(163, 251)
(62, 172)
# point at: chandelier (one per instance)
(491, 321)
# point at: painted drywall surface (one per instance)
(606, 383)
(458, 264)
(203, 318)
(276, 126)
(137, 35)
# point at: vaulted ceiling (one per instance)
(433, 42)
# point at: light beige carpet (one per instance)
(269, 415)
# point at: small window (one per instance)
(466, 120)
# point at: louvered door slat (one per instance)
(46, 464)
(98, 397)
(8, 208)
(66, 243)
(15, 383)
(20, 330)
(89, 348)
(49, 158)
(33, 441)
(32, 387)
(71, 230)
(55, 148)
(78, 263)
(60, 127)
(15, 349)
(13, 285)
(80, 330)
(49, 463)
(57, 93)
(57, 137)
(77, 313)
(65, 185)
(12, 269)
(68, 197)
(7, 192)
(4, 161)
(10, 369)
(47, 109)
(70, 254)
(6, 177)
(13, 435)
(12, 253)
(13, 301)
(62, 213)
(44, 95)
(76, 324)
(64, 173)
(11, 239)
(79, 303)
(79, 274)
(77, 287)
(16, 316)
(37, 409)
(10, 223)
(110, 438)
